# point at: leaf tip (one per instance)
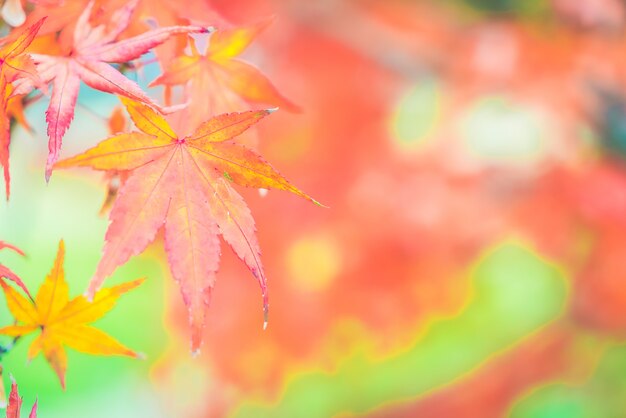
(319, 204)
(33, 411)
(138, 281)
(37, 25)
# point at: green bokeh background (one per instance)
(67, 208)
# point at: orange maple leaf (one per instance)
(14, 64)
(63, 321)
(217, 81)
(184, 185)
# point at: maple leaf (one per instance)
(63, 321)
(14, 407)
(62, 17)
(170, 12)
(15, 64)
(63, 14)
(184, 185)
(93, 50)
(218, 82)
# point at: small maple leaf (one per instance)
(14, 407)
(63, 321)
(184, 185)
(93, 50)
(15, 64)
(218, 82)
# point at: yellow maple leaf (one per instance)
(64, 322)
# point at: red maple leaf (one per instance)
(14, 407)
(93, 50)
(184, 185)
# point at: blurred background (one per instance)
(472, 261)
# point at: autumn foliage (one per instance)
(61, 321)
(184, 184)
(181, 182)
(472, 154)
